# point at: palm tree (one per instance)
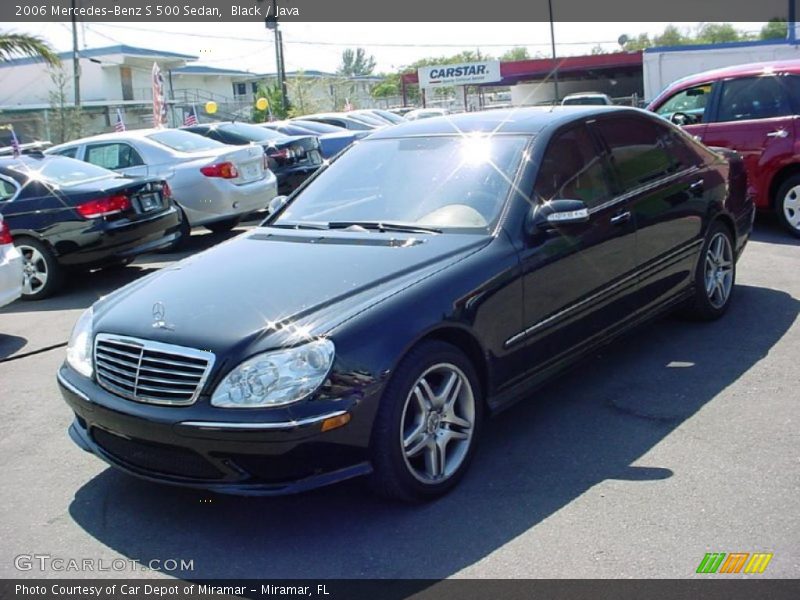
(13, 45)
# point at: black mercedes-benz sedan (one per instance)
(430, 276)
(66, 214)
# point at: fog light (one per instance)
(335, 422)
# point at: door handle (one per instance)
(780, 133)
(621, 218)
(696, 188)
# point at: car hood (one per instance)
(270, 286)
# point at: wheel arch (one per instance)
(465, 341)
(778, 179)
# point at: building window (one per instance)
(239, 89)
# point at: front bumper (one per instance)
(182, 446)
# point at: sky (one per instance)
(250, 46)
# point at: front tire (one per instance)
(427, 426)
(787, 205)
(715, 275)
(42, 275)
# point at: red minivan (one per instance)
(754, 110)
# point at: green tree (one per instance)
(640, 42)
(356, 62)
(775, 29)
(390, 86)
(272, 92)
(598, 49)
(714, 33)
(671, 36)
(516, 53)
(13, 45)
(66, 120)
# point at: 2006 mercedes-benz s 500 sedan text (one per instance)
(431, 275)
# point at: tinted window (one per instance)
(572, 169)
(113, 156)
(458, 182)
(640, 150)
(68, 152)
(252, 133)
(753, 98)
(184, 141)
(691, 101)
(7, 190)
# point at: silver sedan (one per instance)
(214, 184)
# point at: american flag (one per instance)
(120, 124)
(15, 149)
(191, 118)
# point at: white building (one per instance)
(38, 99)
(664, 65)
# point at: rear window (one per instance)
(184, 141)
(317, 127)
(63, 172)
(253, 133)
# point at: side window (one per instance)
(113, 156)
(753, 98)
(640, 150)
(691, 102)
(68, 152)
(7, 190)
(572, 169)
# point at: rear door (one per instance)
(664, 183)
(754, 116)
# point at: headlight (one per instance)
(79, 349)
(277, 377)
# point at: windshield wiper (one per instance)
(383, 226)
(298, 225)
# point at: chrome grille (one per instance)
(152, 372)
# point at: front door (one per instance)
(578, 280)
(755, 117)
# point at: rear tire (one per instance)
(42, 274)
(223, 226)
(715, 276)
(787, 205)
(427, 426)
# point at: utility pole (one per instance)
(272, 24)
(76, 66)
(553, 46)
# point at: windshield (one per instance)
(446, 182)
(185, 141)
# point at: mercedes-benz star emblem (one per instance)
(159, 314)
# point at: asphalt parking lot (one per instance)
(681, 439)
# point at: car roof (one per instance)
(113, 135)
(528, 120)
(748, 69)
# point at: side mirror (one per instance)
(556, 213)
(277, 203)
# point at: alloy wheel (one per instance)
(34, 270)
(438, 423)
(719, 270)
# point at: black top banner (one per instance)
(400, 11)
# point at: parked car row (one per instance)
(99, 201)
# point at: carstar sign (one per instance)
(473, 73)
